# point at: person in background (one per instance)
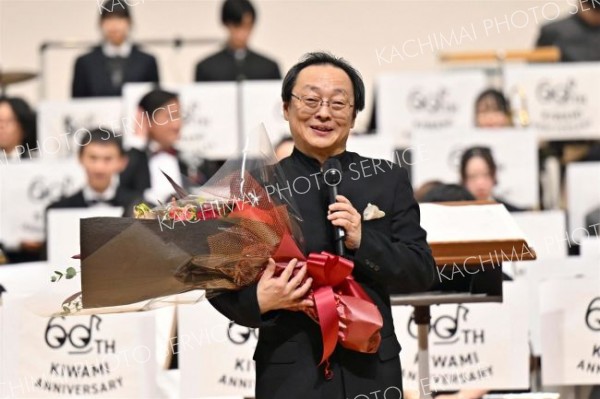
(478, 175)
(577, 36)
(447, 192)
(492, 110)
(236, 61)
(153, 152)
(284, 148)
(17, 128)
(102, 159)
(423, 189)
(116, 61)
(593, 154)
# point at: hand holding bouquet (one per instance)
(218, 240)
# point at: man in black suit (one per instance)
(236, 61)
(102, 157)
(577, 36)
(321, 98)
(104, 70)
(153, 152)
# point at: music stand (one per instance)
(468, 254)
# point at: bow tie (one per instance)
(170, 151)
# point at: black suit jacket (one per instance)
(123, 197)
(136, 176)
(577, 40)
(223, 67)
(92, 75)
(393, 248)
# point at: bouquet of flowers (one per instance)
(216, 240)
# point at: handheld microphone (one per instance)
(332, 174)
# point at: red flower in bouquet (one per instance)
(186, 213)
(218, 242)
(207, 212)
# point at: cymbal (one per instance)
(8, 78)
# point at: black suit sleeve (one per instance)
(404, 257)
(136, 176)
(547, 37)
(276, 71)
(153, 71)
(242, 307)
(200, 76)
(80, 85)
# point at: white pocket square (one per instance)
(372, 212)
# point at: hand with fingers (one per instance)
(343, 214)
(286, 291)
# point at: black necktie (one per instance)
(116, 66)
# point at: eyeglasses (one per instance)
(313, 103)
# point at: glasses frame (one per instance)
(323, 101)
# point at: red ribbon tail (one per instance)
(328, 371)
(328, 320)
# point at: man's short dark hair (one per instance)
(447, 192)
(104, 136)
(233, 11)
(155, 99)
(114, 9)
(323, 58)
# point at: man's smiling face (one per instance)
(321, 131)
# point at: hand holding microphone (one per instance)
(343, 216)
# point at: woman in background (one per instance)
(17, 128)
(492, 110)
(17, 140)
(478, 175)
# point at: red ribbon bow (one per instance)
(345, 311)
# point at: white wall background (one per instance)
(355, 29)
